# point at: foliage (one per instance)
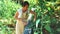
(48, 15)
(8, 8)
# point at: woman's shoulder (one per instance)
(19, 10)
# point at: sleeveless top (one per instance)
(22, 15)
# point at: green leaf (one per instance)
(38, 20)
(49, 8)
(48, 28)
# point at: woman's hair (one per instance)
(25, 3)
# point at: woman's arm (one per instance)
(16, 16)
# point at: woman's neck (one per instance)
(23, 10)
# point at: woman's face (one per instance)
(25, 7)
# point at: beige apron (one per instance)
(19, 27)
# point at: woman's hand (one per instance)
(25, 23)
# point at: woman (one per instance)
(21, 17)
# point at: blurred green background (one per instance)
(48, 16)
